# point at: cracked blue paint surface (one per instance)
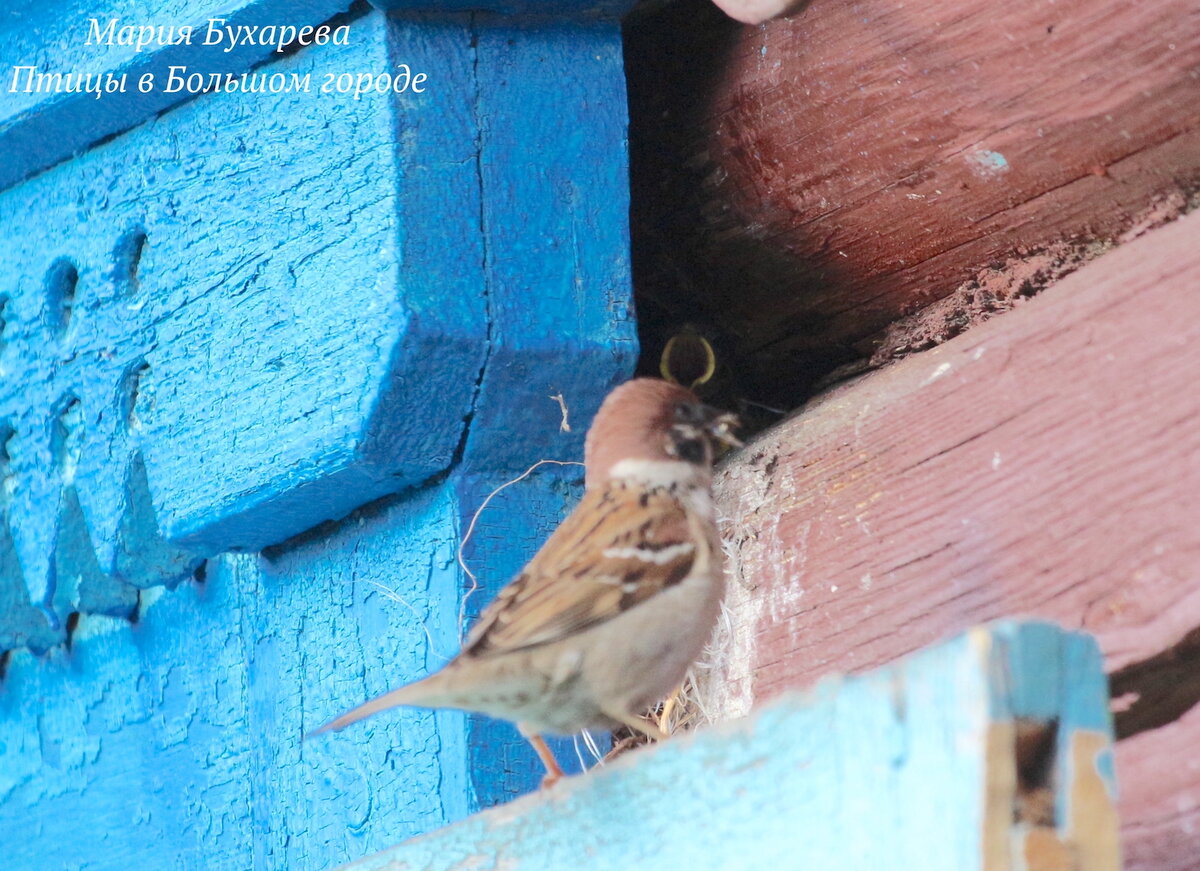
(37, 132)
(322, 327)
(895, 768)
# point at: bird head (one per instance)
(651, 421)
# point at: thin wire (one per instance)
(578, 752)
(389, 593)
(462, 608)
(590, 740)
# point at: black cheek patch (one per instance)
(691, 450)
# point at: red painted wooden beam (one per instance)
(1045, 463)
(806, 182)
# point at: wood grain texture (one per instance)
(175, 741)
(179, 303)
(1159, 773)
(264, 312)
(1046, 462)
(898, 768)
(37, 130)
(803, 183)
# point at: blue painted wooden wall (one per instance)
(261, 358)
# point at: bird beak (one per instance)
(721, 426)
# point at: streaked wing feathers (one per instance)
(619, 547)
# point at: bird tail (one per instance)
(421, 694)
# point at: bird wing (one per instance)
(620, 546)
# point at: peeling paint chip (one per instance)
(987, 164)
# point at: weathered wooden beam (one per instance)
(988, 752)
(1046, 462)
(806, 182)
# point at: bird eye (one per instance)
(690, 413)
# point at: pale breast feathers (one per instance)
(619, 547)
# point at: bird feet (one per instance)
(554, 772)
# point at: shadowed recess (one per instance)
(127, 256)
(135, 395)
(1036, 747)
(8, 438)
(62, 278)
(1162, 688)
(3, 319)
(72, 622)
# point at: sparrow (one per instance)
(607, 617)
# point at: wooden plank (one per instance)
(913, 766)
(1046, 462)
(216, 334)
(1158, 773)
(222, 385)
(174, 740)
(43, 123)
(814, 178)
(40, 127)
(279, 311)
(553, 161)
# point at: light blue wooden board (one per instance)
(886, 770)
(343, 620)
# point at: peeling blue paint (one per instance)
(987, 163)
(324, 327)
(39, 130)
(807, 782)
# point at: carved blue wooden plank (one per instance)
(386, 608)
(246, 317)
(175, 741)
(911, 766)
(39, 126)
(555, 269)
(256, 318)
